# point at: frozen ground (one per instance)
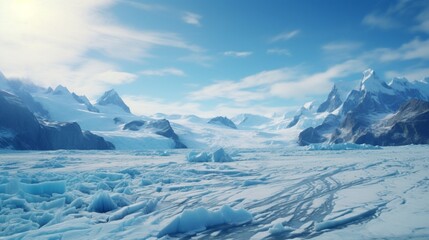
(264, 193)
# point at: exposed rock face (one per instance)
(20, 129)
(366, 114)
(85, 100)
(294, 121)
(223, 121)
(23, 91)
(134, 125)
(161, 127)
(332, 102)
(309, 136)
(410, 125)
(112, 97)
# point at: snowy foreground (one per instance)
(264, 193)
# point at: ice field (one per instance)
(256, 194)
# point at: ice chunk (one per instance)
(199, 219)
(251, 182)
(120, 200)
(77, 203)
(109, 176)
(48, 164)
(42, 188)
(221, 156)
(342, 146)
(145, 182)
(13, 203)
(217, 156)
(146, 207)
(199, 157)
(57, 203)
(278, 228)
(130, 171)
(103, 186)
(101, 203)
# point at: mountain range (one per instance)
(373, 112)
(377, 113)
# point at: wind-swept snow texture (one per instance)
(290, 193)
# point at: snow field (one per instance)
(263, 193)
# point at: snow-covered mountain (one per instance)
(352, 112)
(20, 129)
(223, 121)
(106, 118)
(111, 97)
(361, 116)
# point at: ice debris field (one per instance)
(359, 193)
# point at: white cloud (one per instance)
(415, 49)
(48, 41)
(191, 18)
(423, 20)
(279, 51)
(163, 72)
(394, 15)
(317, 83)
(198, 58)
(411, 74)
(254, 87)
(285, 36)
(285, 83)
(144, 6)
(114, 77)
(237, 54)
(341, 46)
(379, 21)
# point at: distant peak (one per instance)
(369, 73)
(371, 82)
(111, 92)
(112, 97)
(60, 89)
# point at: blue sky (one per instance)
(211, 57)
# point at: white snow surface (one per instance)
(264, 193)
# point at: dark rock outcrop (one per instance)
(23, 91)
(332, 102)
(408, 126)
(294, 121)
(134, 125)
(162, 127)
(21, 130)
(223, 121)
(310, 136)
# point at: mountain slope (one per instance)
(20, 129)
(111, 97)
(224, 121)
(361, 116)
(408, 126)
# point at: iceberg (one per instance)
(217, 156)
(200, 219)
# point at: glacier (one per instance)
(264, 193)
